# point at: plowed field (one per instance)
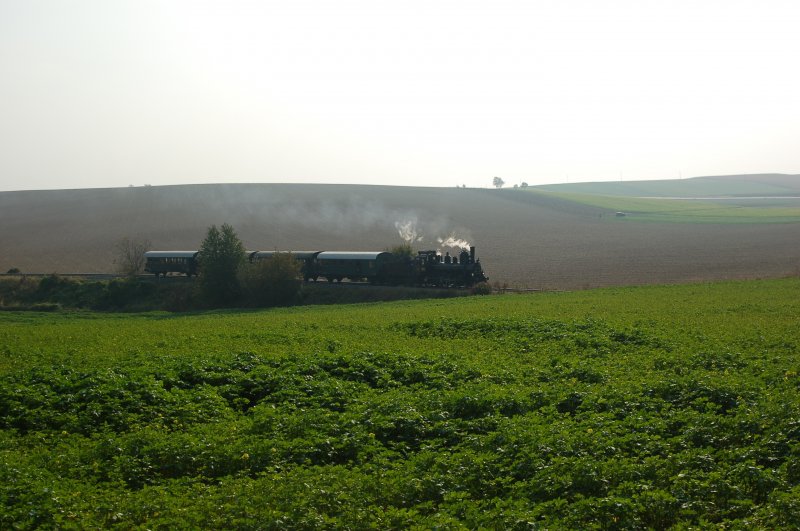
(523, 238)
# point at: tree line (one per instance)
(226, 276)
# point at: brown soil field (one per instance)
(524, 239)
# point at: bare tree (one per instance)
(129, 255)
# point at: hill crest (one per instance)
(523, 238)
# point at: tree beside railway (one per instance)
(404, 250)
(221, 256)
(275, 281)
(129, 255)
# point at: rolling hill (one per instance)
(531, 237)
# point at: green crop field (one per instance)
(709, 210)
(727, 186)
(743, 199)
(619, 408)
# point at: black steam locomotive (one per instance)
(427, 268)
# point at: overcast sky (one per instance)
(98, 93)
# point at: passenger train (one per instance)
(427, 268)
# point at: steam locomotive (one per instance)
(427, 268)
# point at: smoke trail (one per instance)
(410, 231)
(453, 242)
(407, 229)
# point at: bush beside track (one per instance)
(174, 293)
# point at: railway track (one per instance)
(184, 278)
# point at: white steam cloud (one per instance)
(407, 229)
(452, 242)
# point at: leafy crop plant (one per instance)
(658, 407)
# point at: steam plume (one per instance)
(408, 230)
(453, 242)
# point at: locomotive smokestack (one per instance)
(472, 254)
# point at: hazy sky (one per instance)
(97, 93)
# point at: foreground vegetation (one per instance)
(179, 294)
(622, 408)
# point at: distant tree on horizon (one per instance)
(498, 182)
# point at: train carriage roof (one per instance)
(170, 254)
(300, 255)
(352, 255)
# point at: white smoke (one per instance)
(452, 242)
(407, 229)
(413, 230)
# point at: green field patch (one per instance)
(668, 210)
(731, 186)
